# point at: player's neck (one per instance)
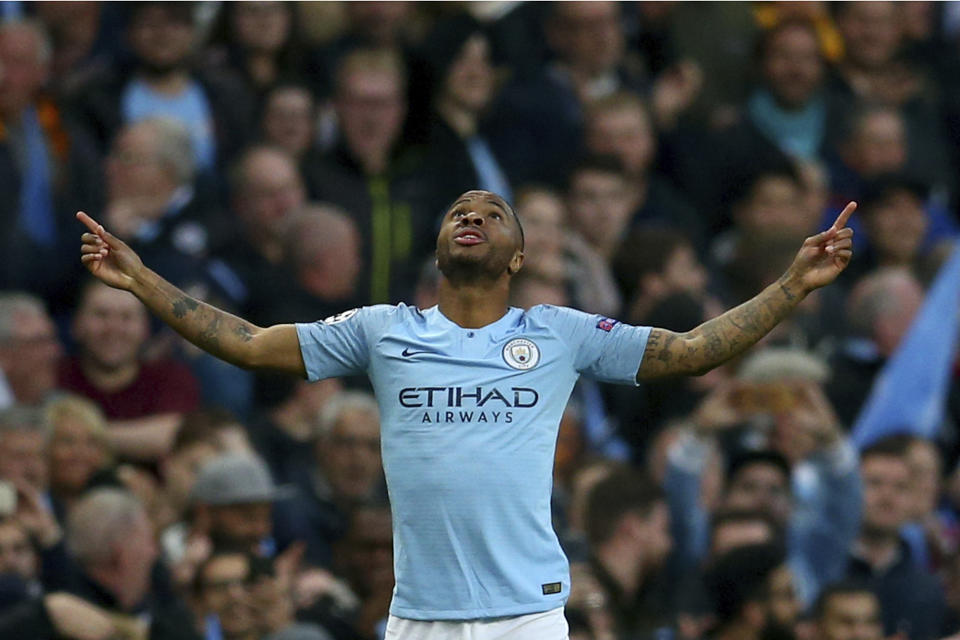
(472, 306)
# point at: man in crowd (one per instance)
(848, 611)
(144, 401)
(29, 350)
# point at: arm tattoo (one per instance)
(720, 339)
(183, 305)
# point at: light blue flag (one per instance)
(910, 392)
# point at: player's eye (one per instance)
(496, 216)
(458, 213)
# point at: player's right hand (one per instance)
(106, 256)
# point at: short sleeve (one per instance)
(604, 349)
(340, 345)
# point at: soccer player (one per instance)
(471, 393)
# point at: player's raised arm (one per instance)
(216, 332)
(820, 260)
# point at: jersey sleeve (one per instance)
(340, 345)
(604, 349)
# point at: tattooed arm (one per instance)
(820, 260)
(217, 332)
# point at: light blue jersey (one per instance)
(469, 421)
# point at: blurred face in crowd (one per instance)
(923, 457)
(763, 487)
(23, 68)
(774, 209)
(224, 591)
(543, 216)
(625, 132)
(792, 66)
(850, 616)
(469, 82)
(683, 271)
(368, 551)
(896, 226)
(162, 40)
(587, 35)
(887, 494)
(600, 208)
(17, 556)
(288, 120)
(262, 27)
(350, 454)
(655, 536)
(783, 603)
(271, 188)
(111, 326)
(371, 105)
(871, 32)
(242, 526)
(23, 458)
(180, 470)
(134, 168)
(29, 356)
(879, 144)
(378, 23)
(75, 453)
(326, 251)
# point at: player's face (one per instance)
(479, 237)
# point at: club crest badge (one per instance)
(521, 354)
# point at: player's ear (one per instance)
(515, 263)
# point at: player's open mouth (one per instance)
(469, 237)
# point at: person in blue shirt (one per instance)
(471, 392)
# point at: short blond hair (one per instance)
(84, 411)
(378, 60)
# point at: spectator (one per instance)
(848, 611)
(653, 264)
(753, 594)
(222, 599)
(879, 311)
(48, 167)
(324, 254)
(370, 174)
(144, 401)
(874, 71)
(790, 108)
(910, 597)
(77, 450)
(161, 82)
(111, 538)
(538, 121)
(265, 189)
(460, 81)
(629, 536)
(808, 484)
(347, 468)
(261, 43)
(18, 557)
(288, 121)
(153, 200)
(621, 125)
(29, 350)
(23, 444)
(365, 561)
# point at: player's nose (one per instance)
(472, 218)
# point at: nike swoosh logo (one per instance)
(406, 353)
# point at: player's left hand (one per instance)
(824, 256)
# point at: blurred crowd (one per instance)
(288, 161)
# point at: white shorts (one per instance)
(548, 625)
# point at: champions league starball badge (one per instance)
(521, 354)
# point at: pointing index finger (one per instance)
(90, 223)
(841, 220)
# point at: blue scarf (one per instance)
(36, 198)
(798, 134)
